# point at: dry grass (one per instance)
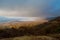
(31, 38)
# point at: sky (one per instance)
(30, 8)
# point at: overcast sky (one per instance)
(29, 8)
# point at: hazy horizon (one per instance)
(29, 8)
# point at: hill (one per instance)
(52, 26)
(45, 29)
(17, 24)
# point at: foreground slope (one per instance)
(31, 38)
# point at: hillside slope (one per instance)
(52, 26)
(46, 29)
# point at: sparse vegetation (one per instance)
(45, 30)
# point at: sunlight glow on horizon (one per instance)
(26, 18)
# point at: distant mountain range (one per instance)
(7, 19)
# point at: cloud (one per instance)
(28, 8)
(18, 12)
(21, 12)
